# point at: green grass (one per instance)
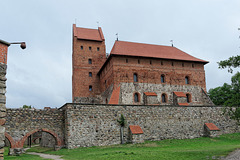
(188, 149)
(21, 157)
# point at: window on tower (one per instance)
(81, 47)
(90, 74)
(89, 61)
(98, 49)
(90, 88)
(90, 48)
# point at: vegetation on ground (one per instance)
(21, 157)
(187, 149)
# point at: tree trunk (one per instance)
(121, 135)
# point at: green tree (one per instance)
(122, 123)
(227, 95)
(26, 106)
(232, 62)
(220, 95)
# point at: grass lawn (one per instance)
(188, 149)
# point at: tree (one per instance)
(232, 62)
(122, 123)
(220, 95)
(26, 106)
(227, 95)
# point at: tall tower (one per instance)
(88, 56)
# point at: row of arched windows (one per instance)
(164, 98)
(137, 98)
(135, 78)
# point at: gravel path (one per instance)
(48, 156)
(235, 155)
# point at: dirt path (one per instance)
(235, 155)
(48, 156)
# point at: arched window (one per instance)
(188, 98)
(136, 97)
(186, 80)
(164, 98)
(135, 77)
(162, 78)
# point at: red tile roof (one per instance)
(212, 127)
(150, 50)
(180, 94)
(115, 96)
(150, 93)
(135, 129)
(183, 104)
(88, 34)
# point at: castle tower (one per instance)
(88, 56)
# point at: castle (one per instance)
(160, 90)
(134, 73)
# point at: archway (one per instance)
(58, 141)
(10, 139)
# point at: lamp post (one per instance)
(3, 67)
(23, 44)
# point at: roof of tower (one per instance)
(150, 50)
(88, 34)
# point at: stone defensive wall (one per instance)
(96, 125)
(21, 123)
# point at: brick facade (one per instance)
(87, 58)
(154, 65)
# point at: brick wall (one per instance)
(120, 69)
(96, 125)
(81, 67)
(3, 53)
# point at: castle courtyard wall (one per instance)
(96, 125)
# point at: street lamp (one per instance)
(23, 44)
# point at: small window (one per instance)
(98, 49)
(172, 64)
(90, 88)
(186, 80)
(81, 47)
(126, 60)
(138, 61)
(188, 98)
(192, 65)
(90, 48)
(135, 77)
(90, 74)
(162, 78)
(164, 98)
(161, 62)
(182, 64)
(150, 61)
(136, 97)
(89, 61)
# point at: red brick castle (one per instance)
(134, 73)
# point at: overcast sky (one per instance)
(41, 74)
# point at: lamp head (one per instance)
(23, 45)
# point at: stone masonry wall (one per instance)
(21, 123)
(128, 89)
(3, 68)
(96, 125)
